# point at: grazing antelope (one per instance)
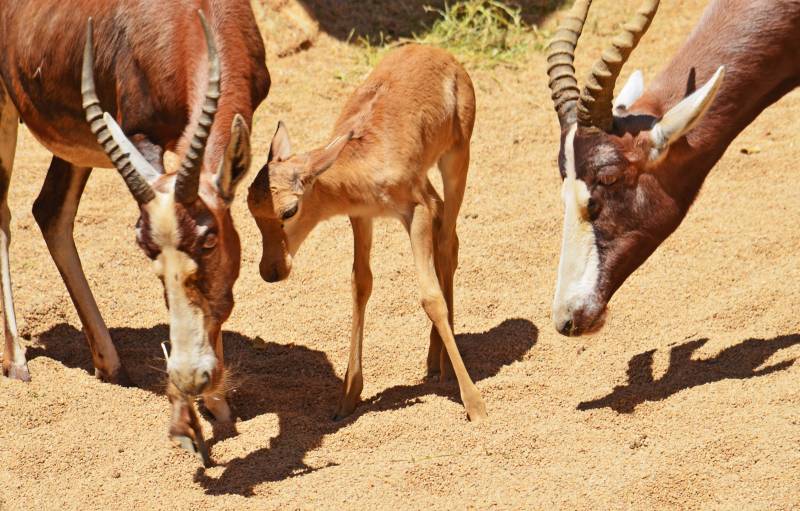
(631, 167)
(417, 108)
(158, 74)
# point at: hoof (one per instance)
(119, 377)
(476, 411)
(341, 415)
(18, 372)
(198, 448)
(345, 409)
(432, 374)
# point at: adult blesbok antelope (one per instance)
(632, 167)
(158, 74)
(417, 108)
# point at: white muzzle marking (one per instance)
(579, 266)
(191, 354)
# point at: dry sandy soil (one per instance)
(689, 398)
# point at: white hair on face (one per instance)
(579, 266)
(192, 351)
(604, 155)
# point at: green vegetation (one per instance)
(480, 32)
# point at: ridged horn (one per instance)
(594, 105)
(560, 62)
(188, 178)
(139, 187)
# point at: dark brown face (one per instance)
(616, 214)
(196, 253)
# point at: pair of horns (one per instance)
(126, 158)
(592, 107)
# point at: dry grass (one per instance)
(481, 33)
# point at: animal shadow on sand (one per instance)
(735, 362)
(376, 19)
(294, 382)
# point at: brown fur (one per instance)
(150, 72)
(417, 108)
(637, 203)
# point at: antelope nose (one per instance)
(269, 273)
(566, 328)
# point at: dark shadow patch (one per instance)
(736, 362)
(391, 20)
(296, 383)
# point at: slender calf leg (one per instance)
(14, 364)
(420, 229)
(453, 165)
(362, 288)
(55, 210)
(436, 347)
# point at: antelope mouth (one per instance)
(585, 321)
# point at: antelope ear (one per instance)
(684, 116)
(237, 159)
(633, 90)
(322, 159)
(281, 147)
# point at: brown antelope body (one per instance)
(632, 167)
(416, 109)
(158, 74)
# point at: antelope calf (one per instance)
(417, 108)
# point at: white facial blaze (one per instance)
(579, 266)
(192, 353)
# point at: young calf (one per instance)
(417, 108)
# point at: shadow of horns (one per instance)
(736, 362)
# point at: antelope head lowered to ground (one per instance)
(185, 228)
(151, 80)
(416, 109)
(632, 166)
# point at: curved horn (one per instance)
(560, 62)
(594, 106)
(188, 179)
(139, 187)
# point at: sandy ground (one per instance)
(689, 398)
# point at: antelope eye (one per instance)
(593, 209)
(608, 178)
(210, 241)
(289, 213)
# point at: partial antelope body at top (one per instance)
(125, 82)
(416, 109)
(632, 166)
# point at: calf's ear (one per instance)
(281, 147)
(321, 160)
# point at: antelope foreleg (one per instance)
(362, 288)
(55, 210)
